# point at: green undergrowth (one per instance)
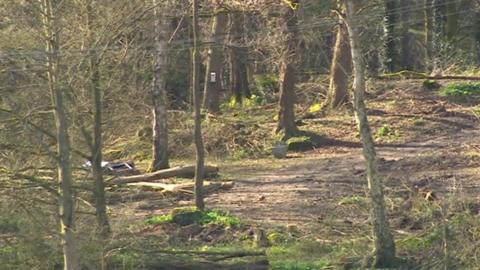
(461, 92)
(309, 254)
(190, 215)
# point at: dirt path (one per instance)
(437, 152)
(309, 188)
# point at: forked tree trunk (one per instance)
(66, 201)
(213, 79)
(287, 76)
(341, 67)
(384, 251)
(200, 152)
(390, 48)
(159, 96)
(97, 144)
(238, 58)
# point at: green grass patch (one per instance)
(353, 200)
(461, 92)
(385, 131)
(189, 215)
(309, 254)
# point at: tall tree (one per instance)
(438, 31)
(427, 13)
(97, 138)
(287, 76)
(159, 95)
(238, 54)
(452, 19)
(384, 251)
(213, 74)
(341, 65)
(390, 22)
(49, 9)
(407, 53)
(200, 151)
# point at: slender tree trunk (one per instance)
(287, 76)
(428, 14)
(159, 95)
(97, 145)
(384, 245)
(452, 16)
(66, 205)
(405, 37)
(200, 151)
(390, 22)
(477, 36)
(213, 79)
(341, 67)
(438, 31)
(238, 58)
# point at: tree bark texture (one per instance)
(200, 151)
(390, 48)
(66, 201)
(213, 83)
(97, 145)
(428, 33)
(452, 19)
(340, 69)
(159, 96)
(238, 53)
(384, 251)
(438, 30)
(287, 76)
(407, 60)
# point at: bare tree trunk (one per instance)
(452, 17)
(438, 33)
(159, 96)
(390, 22)
(97, 145)
(287, 76)
(405, 36)
(200, 151)
(66, 206)
(428, 33)
(341, 67)
(477, 36)
(213, 79)
(384, 245)
(238, 58)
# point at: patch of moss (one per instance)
(302, 143)
(186, 215)
(353, 200)
(189, 215)
(431, 85)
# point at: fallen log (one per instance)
(181, 171)
(408, 74)
(183, 187)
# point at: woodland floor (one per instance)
(429, 153)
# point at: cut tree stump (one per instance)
(182, 171)
(183, 187)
